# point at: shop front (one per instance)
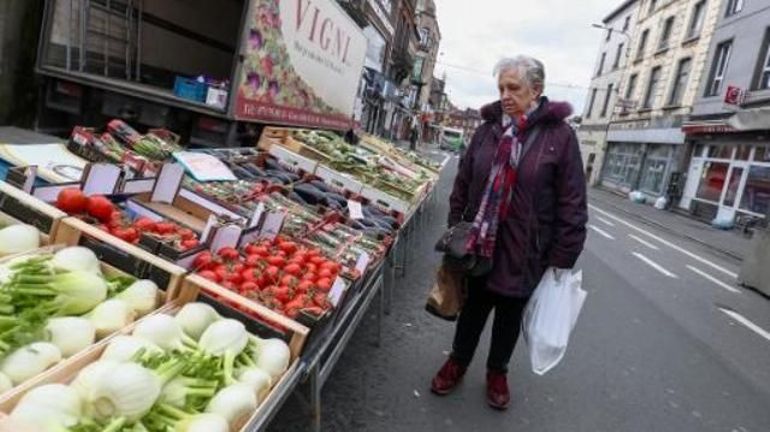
(728, 177)
(645, 167)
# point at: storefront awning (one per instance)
(707, 127)
(742, 121)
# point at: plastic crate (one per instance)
(187, 88)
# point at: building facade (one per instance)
(669, 48)
(467, 120)
(425, 65)
(728, 134)
(602, 97)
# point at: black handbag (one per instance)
(453, 244)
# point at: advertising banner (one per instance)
(302, 64)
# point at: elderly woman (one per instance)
(522, 185)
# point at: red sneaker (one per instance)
(498, 396)
(448, 377)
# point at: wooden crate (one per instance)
(283, 137)
(66, 371)
(24, 208)
(122, 255)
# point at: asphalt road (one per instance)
(667, 341)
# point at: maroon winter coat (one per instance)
(546, 225)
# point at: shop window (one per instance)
(698, 151)
(762, 154)
(720, 152)
(712, 181)
(756, 194)
(732, 187)
(653, 176)
(743, 152)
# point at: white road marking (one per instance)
(715, 280)
(601, 232)
(654, 265)
(750, 325)
(644, 242)
(666, 242)
(605, 221)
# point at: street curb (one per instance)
(651, 222)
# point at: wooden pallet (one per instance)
(122, 255)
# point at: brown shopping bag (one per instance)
(447, 296)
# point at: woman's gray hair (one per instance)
(530, 68)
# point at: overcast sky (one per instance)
(477, 33)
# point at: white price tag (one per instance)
(335, 294)
(257, 216)
(226, 236)
(363, 262)
(356, 211)
(101, 179)
(168, 183)
(209, 226)
(272, 226)
(29, 182)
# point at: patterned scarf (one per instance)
(499, 190)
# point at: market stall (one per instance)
(293, 240)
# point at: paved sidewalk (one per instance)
(728, 243)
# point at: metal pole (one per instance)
(108, 31)
(138, 74)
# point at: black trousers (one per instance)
(473, 318)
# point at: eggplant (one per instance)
(242, 173)
(357, 225)
(289, 177)
(272, 164)
(278, 179)
(341, 200)
(297, 198)
(321, 185)
(309, 193)
(257, 171)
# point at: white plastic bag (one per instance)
(550, 316)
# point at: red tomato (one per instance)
(321, 300)
(126, 234)
(289, 280)
(251, 275)
(331, 265)
(305, 286)
(190, 243)
(210, 275)
(299, 257)
(277, 261)
(293, 269)
(186, 234)
(228, 253)
(164, 228)
(144, 224)
(309, 276)
(272, 273)
(297, 303)
(288, 246)
(248, 286)
(100, 208)
(229, 285)
(254, 261)
(325, 273)
(282, 294)
(310, 268)
(324, 284)
(103, 227)
(72, 201)
(202, 260)
(291, 312)
(317, 260)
